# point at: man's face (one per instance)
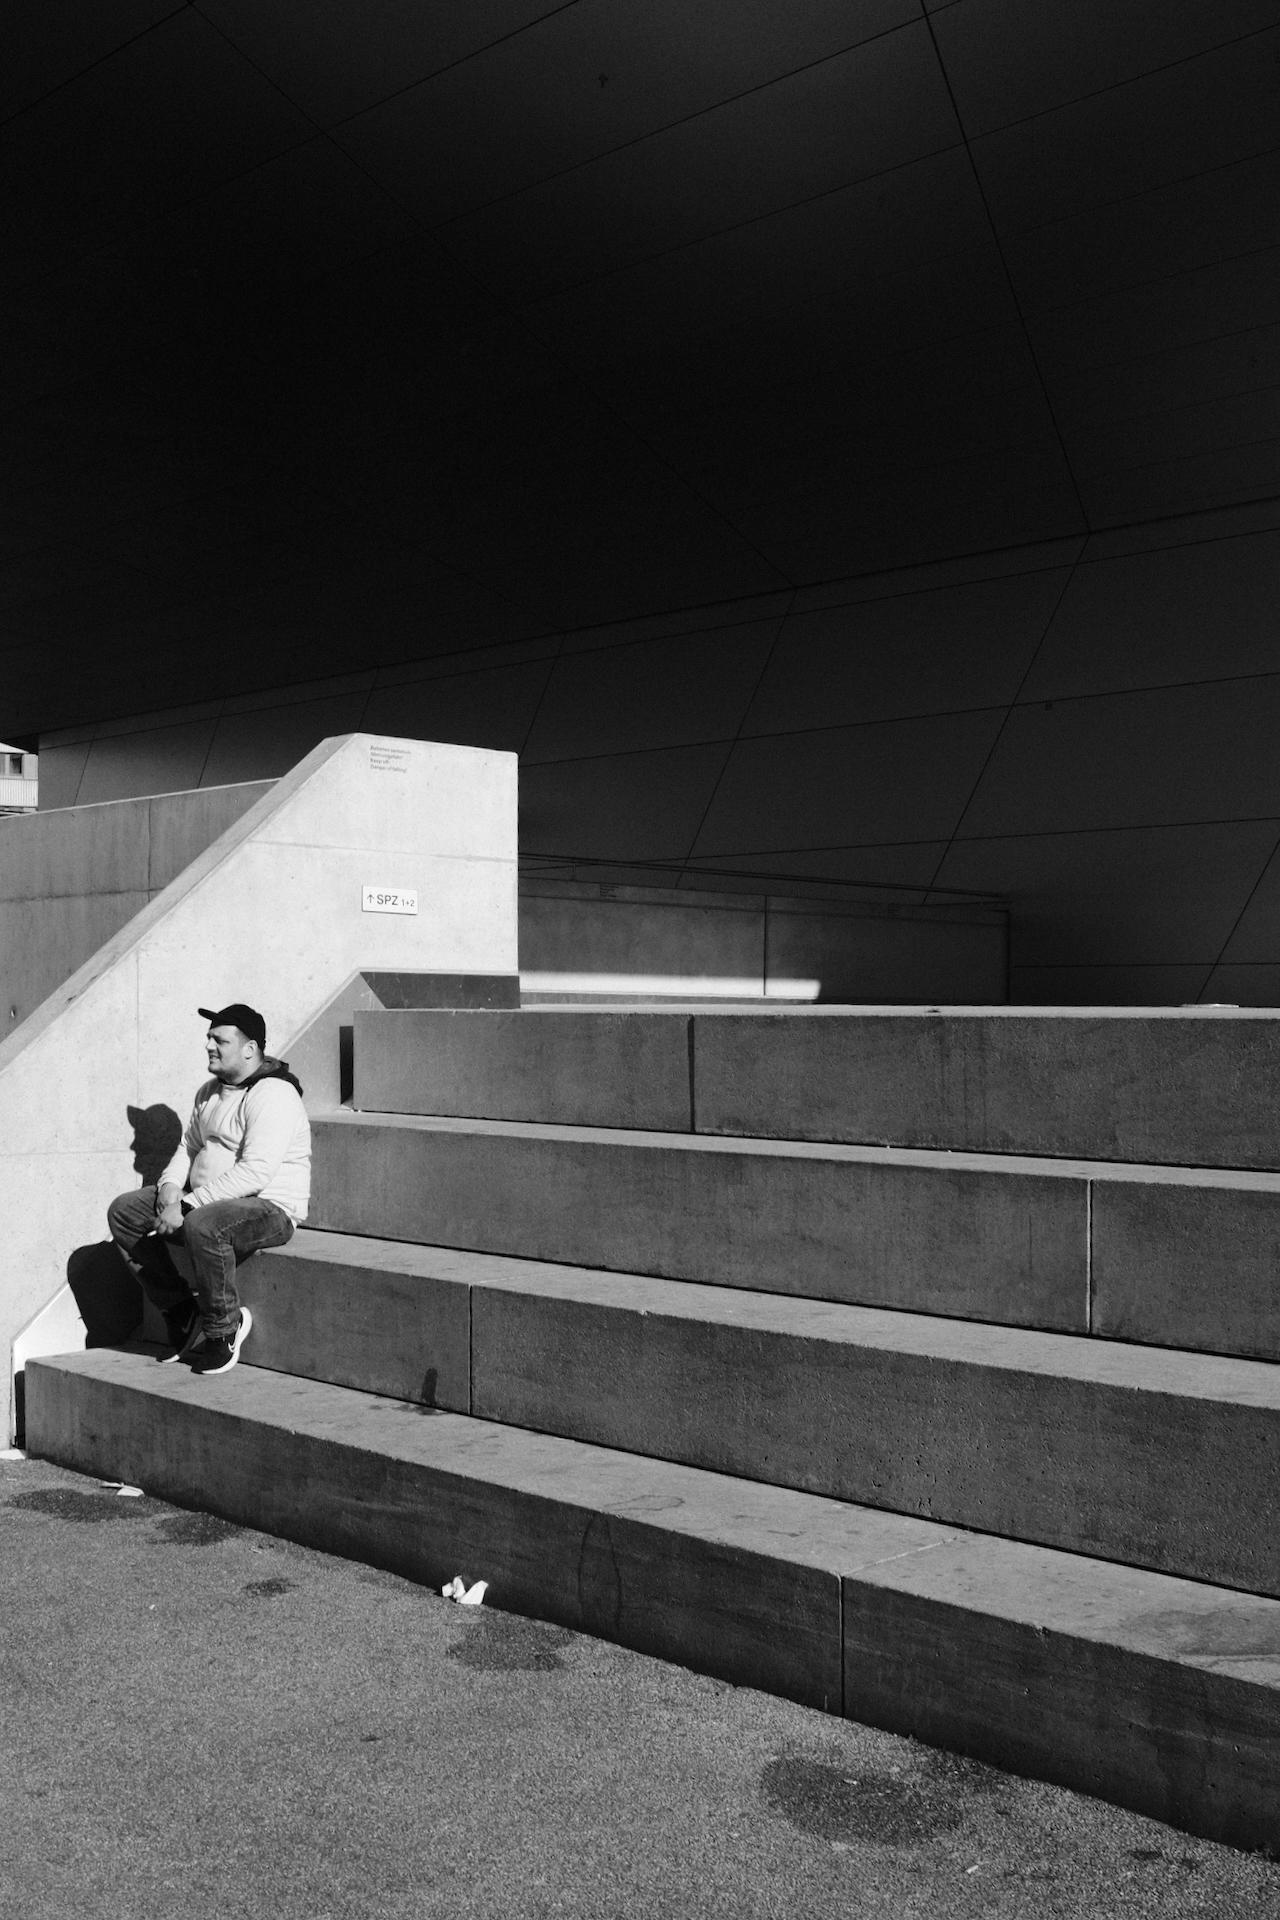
(232, 1058)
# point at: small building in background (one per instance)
(19, 780)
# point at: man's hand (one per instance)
(169, 1214)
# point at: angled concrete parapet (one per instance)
(273, 913)
(73, 877)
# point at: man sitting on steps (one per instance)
(240, 1180)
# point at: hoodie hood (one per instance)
(272, 1069)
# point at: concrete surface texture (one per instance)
(71, 878)
(585, 938)
(580, 1068)
(1135, 1454)
(209, 1721)
(1176, 1252)
(1187, 1088)
(1162, 1694)
(795, 1492)
(1191, 1087)
(935, 1231)
(983, 1238)
(271, 913)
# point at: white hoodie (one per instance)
(249, 1140)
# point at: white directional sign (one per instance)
(389, 900)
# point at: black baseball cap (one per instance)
(250, 1022)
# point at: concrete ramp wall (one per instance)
(270, 913)
(72, 877)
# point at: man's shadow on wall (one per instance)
(106, 1294)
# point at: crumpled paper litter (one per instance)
(457, 1589)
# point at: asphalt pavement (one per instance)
(202, 1720)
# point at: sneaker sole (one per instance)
(184, 1349)
(242, 1334)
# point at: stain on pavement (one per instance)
(506, 1643)
(68, 1503)
(832, 1802)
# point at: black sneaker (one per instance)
(219, 1356)
(181, 1325)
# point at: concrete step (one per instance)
(1161, 1256)
(594, 1069)
(1161, 1694)
(1191, 1087)
(1135, 1454)
(989, 1240)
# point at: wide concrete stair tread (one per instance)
(846, 1153)
(1148, 1369)
(1158, 1458)
(1181, 1086)
(1163, 1255)
(1159, 1692)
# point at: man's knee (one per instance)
(131, 1214)
(200, 1226)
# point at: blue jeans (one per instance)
(215, 1237)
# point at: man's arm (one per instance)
(170, 1186)
(270, 1121)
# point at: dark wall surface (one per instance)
(820, 435)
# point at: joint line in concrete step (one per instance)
(693, 1082)
(1088, 1256)
(908, 1553)
(844, 1581)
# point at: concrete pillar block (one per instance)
(1193, 1087)
(586, 1069)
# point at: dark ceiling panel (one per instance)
(591, 79)
(1160, 894)
(167, 118)
(1204, 113)
(885, 264)
(95, 598)
(48, 42)
(1152, 758)
(864, 113)
(1181, 310)
(291, 221)
(249, 407)
(334, 62)
(390, 346)
(117, 301)
(907, 778)
(901, 519)
(1098, 401)
(856, 424)
(1222, 215)
(912, 654)
(1191, 482)
(270, 529)
(633, 806)
(554, 503)
(1141, 619)
(650, 693)
(1008, 61)
(1177, 433)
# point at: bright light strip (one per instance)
(670, 986)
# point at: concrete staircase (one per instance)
(917, 1366)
